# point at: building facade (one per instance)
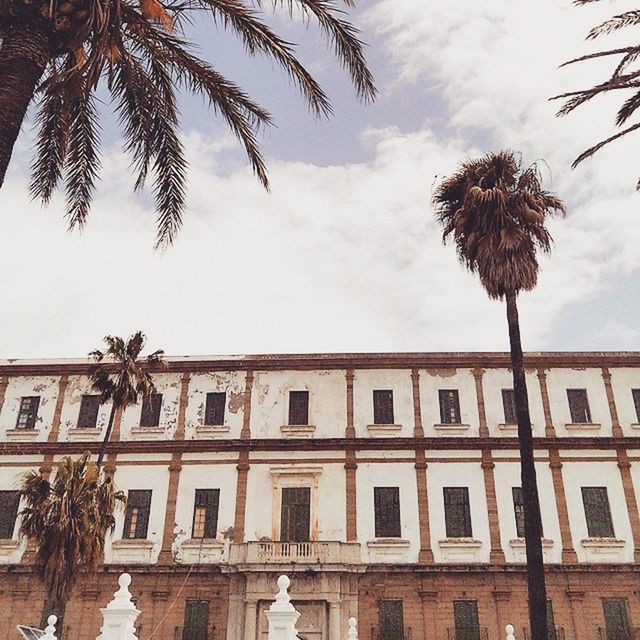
(385, 485)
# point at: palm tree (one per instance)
(495, 211)
(623, 77)
(68, 519)
(58, 52)
(122, 377)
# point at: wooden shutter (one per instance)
(518, 508)
(387, 512)
(196, 620)
(616, 619)
(391, 619)
(295, 514)
(9, 502)
(597, 512)
(449, 406)
(88, 414)
(214, 410)
(383, 407)
(465, 615)
(28, 413)
(579, 405)
(150, 414)
(509, 405)
(136, 518)
(298, 407)
(207, 502)
(457, 513)
(635, 393)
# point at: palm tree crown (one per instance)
(496, 212)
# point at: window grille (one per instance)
(391, 619)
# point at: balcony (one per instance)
(270, 552)
(378, 634)
(554, 633)
(468, 633)
(620, 633)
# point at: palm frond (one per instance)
(627, 19)
(589, 152)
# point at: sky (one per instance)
(344, 253)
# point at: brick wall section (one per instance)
(241, 496)
(55, 425)
(418, 430)
(549, 430)
(496, 554)
(630, 499)
(613, 411)
(351, 468)
(568, 552)
(482, 414)
(245, 434)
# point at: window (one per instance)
(391, 619)
(579, 405)
(196, 620)
(28, 412)
(387, 511)
(88, 416)
(616, 619)
(518, 508)
(9, 501)
(150, 414)
(597, 512)
(136, 517)
(214, 410)
(383, 407)
(295, 514)
(449, 406)
(552, 634)
(509, 405)
(205, 513)
(298, 407)
(465, 615)
(635, 393)
(457, 512)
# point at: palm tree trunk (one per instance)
(532, 518)
(24, 53)
(56, 607)
(107, 435)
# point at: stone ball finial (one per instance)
(124, 581)
(510, 632)
(284, 583)
(51, 620)
(353, 631)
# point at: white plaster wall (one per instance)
(76, 388)
(507, 476)
(622, 381)
(398, 475)
(596, 474)
(327, 402)
(366, 381)
(431, 381)
(559, 380)
(151, 477)
(44, 386)
(233, 383)
(453, 474)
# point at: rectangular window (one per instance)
(9, 502)
(387, 512)
(298, 407)
(518, 508)
(88, 415)
(457, 512)
(214, 410)
(136, 517)
(552, 634)
(449, 406)
(391, 619)
(597, 512)
(616, 619)
(205, 513)
(28, 413)
(150, 414)
(579, 405)
(383, 407)
(196, 620)
(295, 515)
(509, 405)
(465, 615)
(635, 394)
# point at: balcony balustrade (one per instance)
(312, 552)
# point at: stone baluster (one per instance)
(50, 629)
(282, 615)
(510, 632)
(353, 629)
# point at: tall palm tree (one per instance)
(68, 519)
(122, 377)
(495, 210)
(58, 52)
(625, 76)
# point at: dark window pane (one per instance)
(391, 619)
(579, 405)
(465, 614)
(387, 512)
(518, 508)
(551, 625)
(196, 620)
(88, 415)
(136, 517)
(635, 393)
(509, 404)
(150, 414)
(597, 512)
(28, 413)
(383, 407)
(457, 512)
(298, 407)
(214, 411)
(205, 513)
(9, 501)
(295, 514)
(449, 406)
(616, 619)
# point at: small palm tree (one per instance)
(68, 518)
(496, 211)
(122, 377)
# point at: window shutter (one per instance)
(391, 619)
(383, 407)
(28, 413)
(635, 393)
(298, 407)
(295, 514)
(150, 414)
(387, 512)
(579, 405)
(88, 414)
(518, 508)
(9, 502)
(616, 619)
(209, 500)
(457, 513)
(196, 620)
(509, 404)
(465, 615)
(597, 512)
(214, 410)
(449, 406)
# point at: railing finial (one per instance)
(510, 632)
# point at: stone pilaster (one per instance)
(482, 414)
(166, 552)
(497, 554)
(568, 552)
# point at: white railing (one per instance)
(274, 552)
(318, 551)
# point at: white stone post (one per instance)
(50, 629)
(510, 632)
(353, 629)
(120, 614)
(282, 615)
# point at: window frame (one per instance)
(466, 631)
(578, 400)
(141, 525)
(635, 396)
(302, 418)
(449, 402)
(215, 408)
(9, 509)
(612, 631)
(465, 524)
(603, 528)
(518, 510)
(151, 411)
(295, 531)
(387, 516)
(91, 412)
(509, 406)
(383, 409)
(211, 513)
(193, 633)
(28, 415)
(390, 623)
